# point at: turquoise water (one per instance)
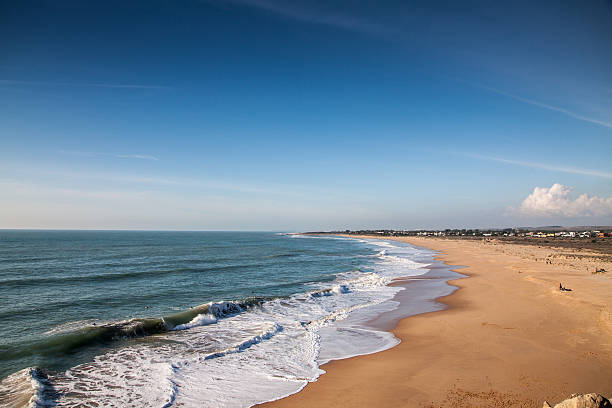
(109, 318)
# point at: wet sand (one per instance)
(507, 338)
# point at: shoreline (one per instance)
(507, 337)
(449, 274)
(434, 285)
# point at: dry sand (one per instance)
(509, 338)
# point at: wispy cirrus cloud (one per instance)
(81, 84)
(136, 156)
(119, 156)
(545, 166)
(231, 189)
(394, 29)
(542, 105)
(156, 182)
(312, 15)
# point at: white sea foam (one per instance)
(248, 356)
(340, 289)
(24, 388)
(199, 320)
(332, 237)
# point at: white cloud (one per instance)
(556, 201)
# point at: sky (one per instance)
(305, 115)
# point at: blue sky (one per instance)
(270, 115)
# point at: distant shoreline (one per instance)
(603, 245)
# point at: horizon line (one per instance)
(296, 232)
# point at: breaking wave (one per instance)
(225, 353)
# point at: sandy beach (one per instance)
(508, 338)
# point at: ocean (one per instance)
(193, 319)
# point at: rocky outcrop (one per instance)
(582, 401)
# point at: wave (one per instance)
(130, 274)
(336, 290)
(119, 275)
(265, 335)
(70, 337)
(39, 310)
(273, 343)
(199, 320)
(337, 238)
(384, 255)
(284, 255)
(29, 387)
